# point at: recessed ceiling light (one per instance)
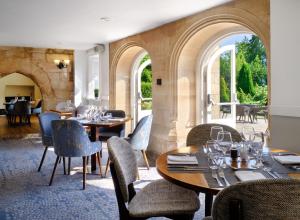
(105, 19)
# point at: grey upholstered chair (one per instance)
(45, 120)
(200, 134)
(261, 199)
(71, 140)
(139, 138)
(119, 131)
(158, 198)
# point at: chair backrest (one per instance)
(116, 113)
(70, 139)
(200, 134)
(45, 120)
(125, 164)
(262, 199)
(120, 129)
(139, 138)
(82, 109)
(22, 108)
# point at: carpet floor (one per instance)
(25, 194)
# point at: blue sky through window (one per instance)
(234, 38)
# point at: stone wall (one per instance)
(38, 64)
(176, 50)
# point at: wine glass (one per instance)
(224, 141)
(248, 133)
(214, 130)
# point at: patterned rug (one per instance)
(25, 194)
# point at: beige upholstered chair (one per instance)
(201, 133)
(262, 199)
(158, 198)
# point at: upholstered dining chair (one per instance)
(158, 198)
(119, 131)
(260, 199)
(139, 138)
(71, 140)
(45, 120)
(200, 134)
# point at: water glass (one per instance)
(213, 160)
(248, 133)
(257, 148)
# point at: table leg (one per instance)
(93, 138)
(208, 203)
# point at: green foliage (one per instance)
(146, 105)
(245, 80)
(260, 97)
(146, 75)
(224, 91)
(259, 71)
(145, 58)
(146, 90)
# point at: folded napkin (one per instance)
(288, 159)
(185, 159)
(249, 175)
(116, 119)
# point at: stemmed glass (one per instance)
(213, 160)
(248, 133)
(214, 130)
(224, 141)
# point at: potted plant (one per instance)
(96, 93)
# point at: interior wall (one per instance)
(285, 47)
(80, 75)
(56, 85)
(16, 79)
(174, 101)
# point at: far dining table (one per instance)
(198, 180)
(94, 131)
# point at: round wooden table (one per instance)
(194, 181)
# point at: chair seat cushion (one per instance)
(162, 198)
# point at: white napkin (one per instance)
(116, 119)
(173, 159)
(249, 175)
(291, 159)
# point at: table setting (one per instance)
(224, 163)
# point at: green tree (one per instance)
(224, 91)
(245, 80)
(259, 71)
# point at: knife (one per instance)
(272, 175)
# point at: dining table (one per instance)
(94, 126)
(201, 181)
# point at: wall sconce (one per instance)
(62, 63)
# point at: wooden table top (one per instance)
(108, 123)
(195, 181)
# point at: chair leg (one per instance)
(55, 165)
(69, 166)
(43, 157)
(84, 171)
(64, 164)
(107, 166)
(145, 158)
(99, 162)
(87, 160)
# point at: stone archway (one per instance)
(37, 64)
(184, 62)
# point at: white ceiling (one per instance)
(76, 24)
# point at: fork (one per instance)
(222, 175)
(215, 176)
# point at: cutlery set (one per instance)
(220, 174)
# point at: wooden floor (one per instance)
(19, 131)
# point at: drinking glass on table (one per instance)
(213, 160)
(257, 149)
(224, 141)
(248, 133)
(214, 130)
